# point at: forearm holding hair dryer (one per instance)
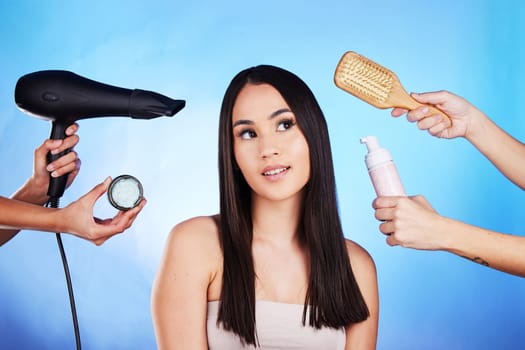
(63, 97)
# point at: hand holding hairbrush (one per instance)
(375, 84)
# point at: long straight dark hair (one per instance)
(333, 296)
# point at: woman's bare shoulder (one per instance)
(200, 232)
(360, 259)
(198, 224)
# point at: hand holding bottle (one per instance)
(410, 222)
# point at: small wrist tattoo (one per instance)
(477, 259)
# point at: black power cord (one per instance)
(53, 203)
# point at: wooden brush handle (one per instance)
(399, 97)
(431, 109)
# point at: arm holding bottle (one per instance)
(411, 222)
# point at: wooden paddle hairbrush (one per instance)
(375, 84)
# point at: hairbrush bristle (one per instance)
(364, 78)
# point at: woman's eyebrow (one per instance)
(271, 116)
(242, 122)
(278, 112)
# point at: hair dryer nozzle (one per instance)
(147, 104)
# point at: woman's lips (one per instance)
(275, 172)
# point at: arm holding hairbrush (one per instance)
(503, 150)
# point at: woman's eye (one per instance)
(285, 125)
(247, 134)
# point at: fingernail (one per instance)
(54, 174)
(425, 110)
(50, 167)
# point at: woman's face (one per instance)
(269, 147)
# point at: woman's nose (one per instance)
(268, 146)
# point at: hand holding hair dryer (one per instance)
(63, 97)
(382, 170)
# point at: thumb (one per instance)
(99, 190)
(422, 201)
(433, 98)
(385, 202)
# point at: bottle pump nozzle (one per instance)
(371, 143)
(376, 154)
(382, 169)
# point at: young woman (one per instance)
(273, 270)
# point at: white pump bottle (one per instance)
(382, 169)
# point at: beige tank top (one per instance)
(279, 326)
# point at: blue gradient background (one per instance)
(191, 50)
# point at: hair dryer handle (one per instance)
(57, 185)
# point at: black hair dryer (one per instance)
(63, 97)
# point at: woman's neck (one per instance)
(276, 220)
